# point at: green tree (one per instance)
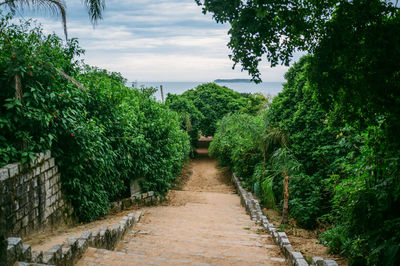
(284, 163)
(190, 116)
(354, 46)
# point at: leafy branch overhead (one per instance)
(276, 29)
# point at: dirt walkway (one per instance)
(201, 225)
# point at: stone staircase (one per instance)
(213, 229)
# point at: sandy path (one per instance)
(204, 224)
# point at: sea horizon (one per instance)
(179, 87)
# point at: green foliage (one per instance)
(366, 199)
(275, 29)
(355, 68)
(260, 173)
(295, 110)
(101, 138)
(349, 173)
(208, 103)
(189, 115)
(235, 145)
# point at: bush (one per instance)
(101, 137)
(235, 144)
(205, 105)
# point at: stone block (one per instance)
(11, 255)
(327, 263)
(138, 214)
(295, 255)
(287, 249)
(300, 262)
(44, 167)
(150, 193)
(148, 200)
(126, 203)
(17, 243)
(37, 256)
(316, 260)
(13, 169)
(24, 221)
(4, 174)
(124, 222)
(17, 227)
(94, 239)
(67, 255)
(284, 241)
(86, 235)
(48, 258)
(82, 245)
(36, 171)
(32, 264)
(116, 206)
(131, 219)
(144, 195)
(26, 254)
(53, 255)
(47, 155)
(71, 242)
(51, 162)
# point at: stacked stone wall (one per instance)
(30, 196)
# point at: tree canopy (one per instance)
(278, 28)
(355, 62)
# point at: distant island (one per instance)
(232, 80)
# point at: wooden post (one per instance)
(162, 94)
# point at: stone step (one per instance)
(100, 257)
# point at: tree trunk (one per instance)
(285, 211)
(18, 88)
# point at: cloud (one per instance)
(155, 41)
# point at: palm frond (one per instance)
(283, 160)
(95, 9)
(268, 193)
(54, 6)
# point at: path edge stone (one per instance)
(253, 208)
(72, 249)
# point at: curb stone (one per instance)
(72, 249)
(280, 238)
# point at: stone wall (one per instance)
(30, 196)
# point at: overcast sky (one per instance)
(147, 40)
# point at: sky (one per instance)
(147, 40)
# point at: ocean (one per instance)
(266, 88)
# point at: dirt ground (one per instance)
(304, 241)
(201, 224)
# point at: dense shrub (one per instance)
(190, 116)
(101, 137)
(349, 174)
(205, 105)
(235, 143)
(311, 140)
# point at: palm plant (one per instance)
(284, 162)
(273, 142)
(271, 138)
(95, 8)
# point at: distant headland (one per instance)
(232, 80)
